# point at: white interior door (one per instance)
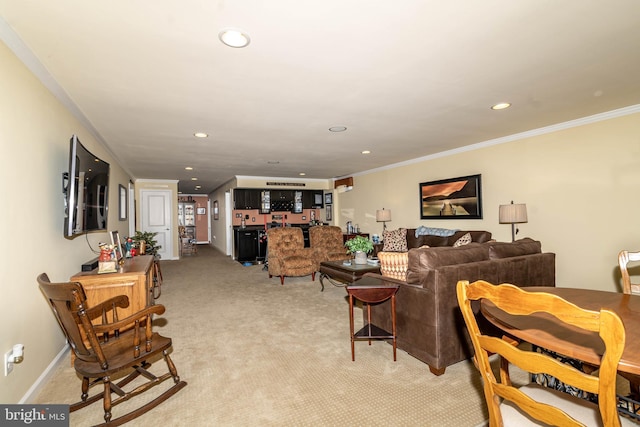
(157, 215)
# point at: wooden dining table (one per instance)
(543, 330)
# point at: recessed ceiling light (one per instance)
(366, 152)
(189, 168)
(501, 106)
(234, 37)
(200, 135)
(337, 129)
(302, 174)
(194, 179)
(198, 187)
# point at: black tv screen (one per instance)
(86, 192)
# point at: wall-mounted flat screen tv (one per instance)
(86, 191)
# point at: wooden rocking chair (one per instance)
(110, 345)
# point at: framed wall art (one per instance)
(122, 202)
(454, 198)
(216, 210)
(329, 212)
(201, 211)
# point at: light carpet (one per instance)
(257, 353)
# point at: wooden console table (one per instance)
(134, 279)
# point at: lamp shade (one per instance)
(513, 213)
(383, 215)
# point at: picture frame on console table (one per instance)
(453, 198)
(117, 246)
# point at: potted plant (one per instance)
(146, 242)
(360, 247)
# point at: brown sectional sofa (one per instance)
(429, 323)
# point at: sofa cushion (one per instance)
(430, 258)
(520, 247)
(414, 241)
(394, 264)
(464, 240)
(476, 236)
(395, 240)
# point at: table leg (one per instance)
(369, 320)
(332, 281)
(353, 356)
(393, 324)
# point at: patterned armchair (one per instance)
(328, 243)
(287, 255)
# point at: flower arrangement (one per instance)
(150, 244)
(359, 244)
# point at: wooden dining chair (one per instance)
(512, 406)
(624, 258)
(105, 346)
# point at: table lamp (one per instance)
(383, 216)
(513, 214)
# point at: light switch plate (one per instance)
(8, 366)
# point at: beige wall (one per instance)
(34, 134)
(220, 228)
(579, 184)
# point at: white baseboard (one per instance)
(44, 377)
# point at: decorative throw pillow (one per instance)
(395, 240)
(464, 240)
(394, 264)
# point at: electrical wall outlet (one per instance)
(8, 366)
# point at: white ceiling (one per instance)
(407, 78)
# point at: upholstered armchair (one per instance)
(287, 255)
(327, 241)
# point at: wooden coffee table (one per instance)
(340, 274)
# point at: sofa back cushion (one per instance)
(476, 237)
(423, 261)
(425, 239)
(438, 241)
(520, 247)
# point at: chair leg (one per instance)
(85, 389)
(313, 276)
(282, 280)
(106, 399)
(634, 388)
(172, 367)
